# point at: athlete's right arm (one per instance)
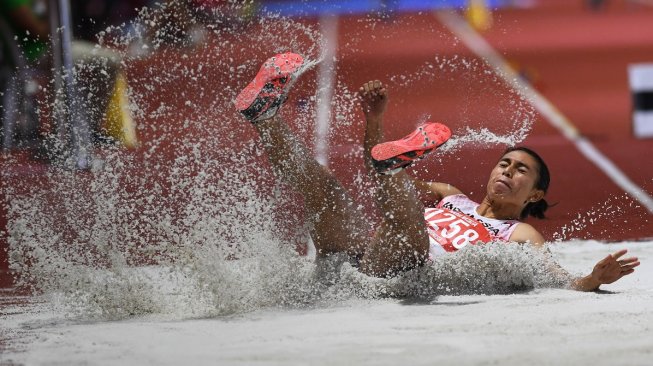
(435, 191)
(373, 98)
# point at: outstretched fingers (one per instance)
(614, 266)
(629, 260)
(619, 254)
(628, 264)
(612, 258)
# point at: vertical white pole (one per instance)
(326, 78)
(73, 129)
(325, 83)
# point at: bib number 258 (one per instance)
(457, 231)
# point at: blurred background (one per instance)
(571, 79)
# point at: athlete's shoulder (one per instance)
(525, 233)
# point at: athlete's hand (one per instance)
(373, 98)
(611, 268)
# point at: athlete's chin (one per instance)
(499, 191)
(499, 197)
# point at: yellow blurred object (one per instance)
(479, 15)
(118, 121)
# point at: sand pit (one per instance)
(189, 211)
(543, 326)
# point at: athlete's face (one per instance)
(513, 179)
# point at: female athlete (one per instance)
(409, 233)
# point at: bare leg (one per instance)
(336, 226)
(401, 242)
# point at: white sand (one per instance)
(548, 326)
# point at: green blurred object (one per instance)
(33, 46)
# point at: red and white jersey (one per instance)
(454, 223)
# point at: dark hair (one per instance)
(535, 209)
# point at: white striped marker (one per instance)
(641, 86)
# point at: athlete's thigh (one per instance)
(337, 226)
(395, 249)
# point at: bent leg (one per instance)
(401, 242)
(336, 224)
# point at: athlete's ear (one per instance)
(536, 195)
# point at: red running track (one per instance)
(576, 58)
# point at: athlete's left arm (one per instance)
(608, 270)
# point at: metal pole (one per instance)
(72, 126)
(59, 115)
(326, 82)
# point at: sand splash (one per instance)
(193, 223)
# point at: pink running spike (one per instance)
(261, 98)
(392, 155)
